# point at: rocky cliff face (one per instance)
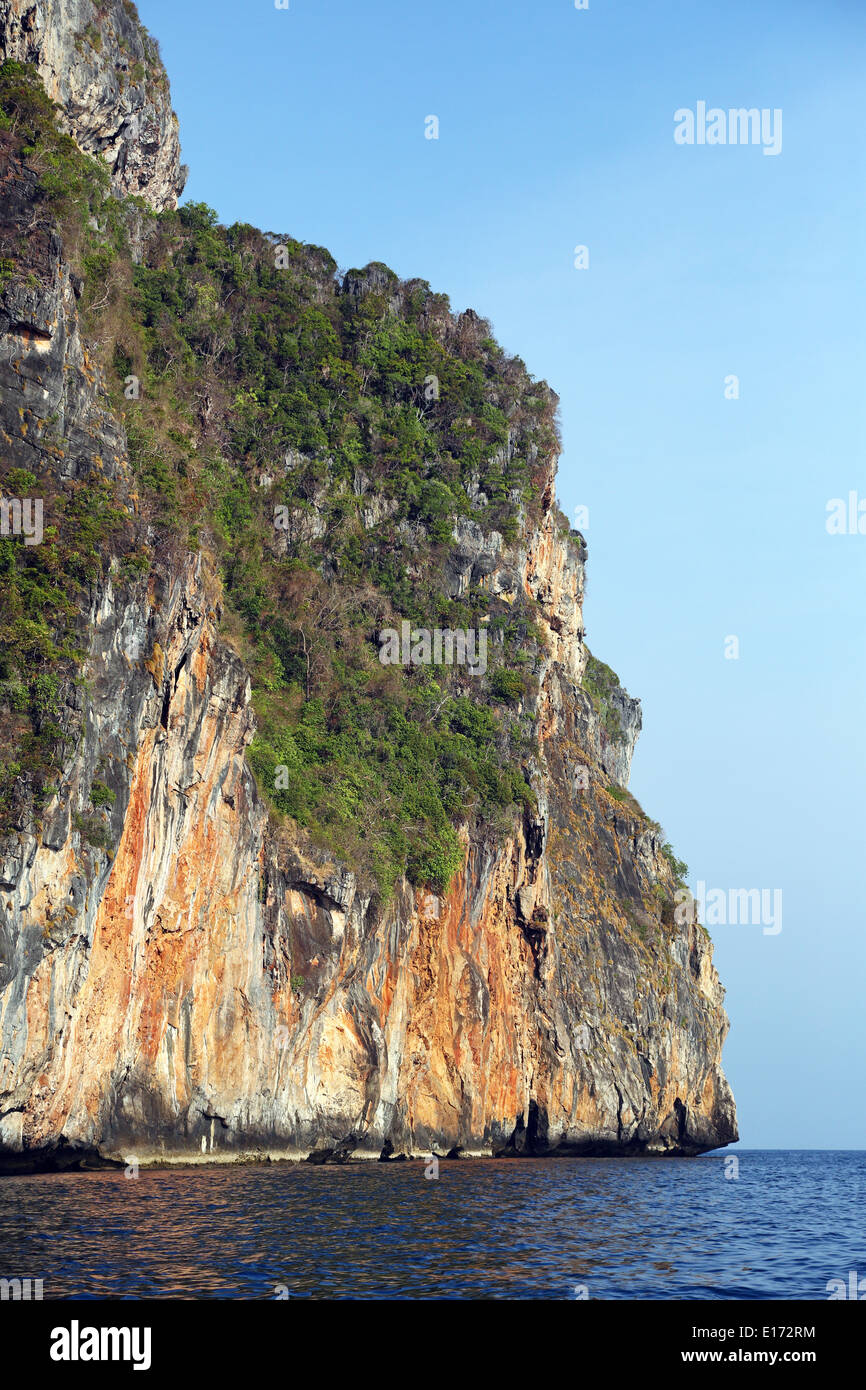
(183, 974)
(104, 71)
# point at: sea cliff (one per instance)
(380, 949)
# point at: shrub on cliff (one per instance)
(263, 381)
(600, 682)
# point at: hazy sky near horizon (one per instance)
(707, 515)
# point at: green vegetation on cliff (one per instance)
(85, 524)
(317, 436)
(601, 682)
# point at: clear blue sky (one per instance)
(707, 516)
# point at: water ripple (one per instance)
(485, 1229)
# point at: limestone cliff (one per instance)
(104, 71)
(184, 972)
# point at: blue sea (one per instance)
(785, 1225)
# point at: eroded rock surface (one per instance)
(105, 72)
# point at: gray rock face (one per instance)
(472, 557)
(613, 752)
(104, 71)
